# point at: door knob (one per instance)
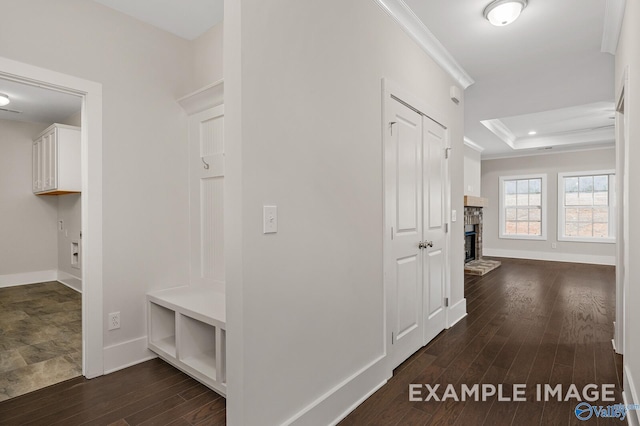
(421, 245)
(428, 244)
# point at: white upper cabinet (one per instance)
(56, 161)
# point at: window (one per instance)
(586, 206)
(523, 207)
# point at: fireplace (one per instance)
(470, 242)
(472, 233)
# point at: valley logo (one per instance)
(585, 411)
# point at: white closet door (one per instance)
(435, 253)
(403, 183)
(206, 187)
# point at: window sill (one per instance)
(523, 237)
(587, 240)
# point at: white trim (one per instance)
(344, 397)
(538, 151)
(12, 280)
(498, 128)
(543, 208)
(202, 99)
(125, 354)
(471, 144)
(611, 207)
(91, 165)
(550, 256)
(613, 17)
(631, 391)
(419, 32)
(70, 280)
(457, 312)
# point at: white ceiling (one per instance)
(36, 104)
(547, 60)
(188, 19)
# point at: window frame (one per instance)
(543, 207)
(612, 207)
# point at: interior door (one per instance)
(435, 252)
(206, 194)
(403, 195)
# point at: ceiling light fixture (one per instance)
(504, 12)
(533, 132)
(4, 99)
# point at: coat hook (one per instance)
(206, 165)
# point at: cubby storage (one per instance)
(187, 328)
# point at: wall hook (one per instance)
(206, 165)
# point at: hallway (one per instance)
(530, 322)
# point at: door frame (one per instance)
(91, 200)
(393, 91)
(622, 195)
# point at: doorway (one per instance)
(90, 94)
(416, 265)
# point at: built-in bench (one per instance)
(187, 328)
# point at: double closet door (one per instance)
(415, 238)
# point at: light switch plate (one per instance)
(454, 215)
(270, 219)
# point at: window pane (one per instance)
(585, 198)
(510, 186)
(585, 215)
(523, 187)
(535, 199)
(535, 214)
(601, 183)
(571, 199)
(523, 214)
(535, 228)
(511, 228)
(571, 184)
(535, 186)
(601, 215)
(600, 230)
(523, 199)
(511, 214)
(601, 198)
(523, 228)
(586, 183)
(510, 200)
(571, 215)
(585, 230)
(571, 229)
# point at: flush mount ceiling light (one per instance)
(4, 99)
(504, 12)
(533, 132)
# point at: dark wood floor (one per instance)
(528, 322)
(152, 393)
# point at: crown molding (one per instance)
(205, 98)
(418, 31)
(613, 16)
(534, 153)
(471, 144)
(499, 129)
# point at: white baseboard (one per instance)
(345, 397)
(13, 280)
(71, 281)
(457, 312)
(550, 256)
(126, 354)
(630, 395)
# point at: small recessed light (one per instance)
(533, 132)
(4, 99)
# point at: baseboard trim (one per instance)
(71, 281)
(630, 392)
(457, 312)
(344, 397)
(126, 354)
(12, 280)
(550, 256)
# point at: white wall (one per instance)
(28, 227)
(628, 55)
(208, 57)
(142, 70)
(472, 172)
(305, 306)
(551, 164)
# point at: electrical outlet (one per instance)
(554, 245)
(114, 320)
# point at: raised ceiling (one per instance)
(548, 60)
(36, 104)
(188, 19)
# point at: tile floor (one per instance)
(40, 337)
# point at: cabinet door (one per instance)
(37, 166)
(50, 169)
